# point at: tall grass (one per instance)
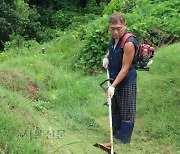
(44, 92)
(159, 95)
(46, 84)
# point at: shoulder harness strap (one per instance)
(125, 37)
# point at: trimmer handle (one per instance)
(101, 84)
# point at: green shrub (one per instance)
(17, 18)
(96, 7)
(151, 23)
(79, 24)
(3, 56)
(155, 22)
(17, 42)
(95, 46)
(47, 34)
(124, 6)
(147, 20)
(11, 46)
(62, 19)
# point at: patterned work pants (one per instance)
(124, 102)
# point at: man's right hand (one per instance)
(105, 63)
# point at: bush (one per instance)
(47, 34)
(95, 46)
(153, 22)
(96, 7)
(147, 20)
(15, 42)
(124, 6)
(62, 19)
(79, 24)
(156, 26)
(16, 17)
(18, 45)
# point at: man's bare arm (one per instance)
(128, 56)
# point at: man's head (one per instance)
(117, 25)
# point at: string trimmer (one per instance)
(109, 147)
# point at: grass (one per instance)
(46, 107)
(159, 106)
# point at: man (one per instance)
(122, 69)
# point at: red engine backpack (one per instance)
(144, 55)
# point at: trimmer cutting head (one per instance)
(106, 147)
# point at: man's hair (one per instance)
(115, 17)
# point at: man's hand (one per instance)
(110, 91)
(105, 63)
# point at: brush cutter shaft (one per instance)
(108, 78)
(110, 117)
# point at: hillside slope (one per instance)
(47, 108)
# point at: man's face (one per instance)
(117, 30)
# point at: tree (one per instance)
(16, 17)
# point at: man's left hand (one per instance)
(110, 91)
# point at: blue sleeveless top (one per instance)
(115, 62)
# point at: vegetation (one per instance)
(41, 94)
(95, 46)
(42, 20)
(50, 104)
(145, 19)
